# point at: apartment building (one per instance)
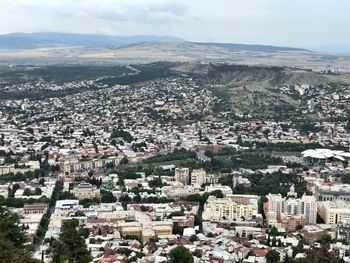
(230, 208)
(182, 175)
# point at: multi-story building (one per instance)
(71, 166)
(39, 208)
(334, 212)
(182, 175)
(344, 229)
(226, 190)
(212, 178)
(231, 208)
(198, 176)
(85, 191)
(245, 231)
(291, 211)
(6, 169)
(333, 192)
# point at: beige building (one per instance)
(182, 175)
(85, 190)
(6, 169)
(230, 208)
(147, 229)
(198, 176)
(39, 208)
(225, 189)
(71, 166)
(334, 212)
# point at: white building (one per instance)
(231, 208)
(226, 190)
(281, 207)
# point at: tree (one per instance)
(42, 181)
(274, 231)
(108, 197)
(137, 198)
(27, 192)
(272, 256)
(9, 229)
(124, 161)
(319, 255)
(325, 239)
(345, 178)
(38, 191)
(180, 254)
(9, 253)
(12, 239)
(193, 238)
(70, 247)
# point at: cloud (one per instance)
(292, 23)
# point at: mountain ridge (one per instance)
(14, 41)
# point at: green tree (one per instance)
(9, 253)
(124, 161)
(108, 197)
(272, 256)
(274, 232)
(193, 238)
(12, 239)
(180, 254)
(70, 247)
(9, 229)
(317, 255)
(345, 178)
(325, 239)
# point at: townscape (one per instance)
(174, 131)
(149, 171)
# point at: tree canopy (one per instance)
(180, 254)
(12, 239)
(317, 255)
(70, 247)
(272, 256)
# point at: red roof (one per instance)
(110, 258)
(260, 252)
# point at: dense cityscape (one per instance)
(174, 131)
(151, 172)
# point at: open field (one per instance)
(175, 52)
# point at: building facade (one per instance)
(334, 212)
(85, 191)
(291, 211)
(198, 177)
(333, 192)
(230, 208)
(182, 175)
(39, 208)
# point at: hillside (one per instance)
(147, 52)
(260, 91)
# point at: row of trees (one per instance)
(177, 154)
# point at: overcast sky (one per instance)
(276, 22)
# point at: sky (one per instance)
(297, 23)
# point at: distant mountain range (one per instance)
(51, 39)
(253, 48)
(18, 41)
